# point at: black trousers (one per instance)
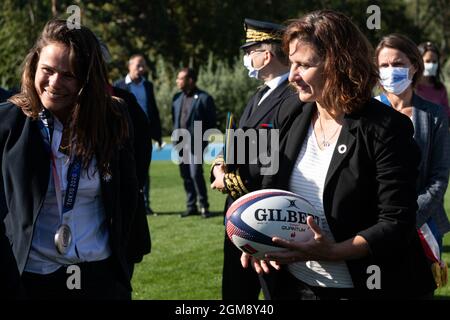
(238, 283)
(99, 281)
(284, 286)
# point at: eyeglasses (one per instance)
(253, 51)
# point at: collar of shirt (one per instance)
(58, 129)
(273, 84)
(128, 80)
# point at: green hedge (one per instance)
(229, 85)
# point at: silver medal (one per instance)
(63, 238)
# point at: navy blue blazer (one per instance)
(24, 176)
(152, 109)
(203, 109)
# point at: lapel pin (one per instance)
(196, 97)
(342, 148)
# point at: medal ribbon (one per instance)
(74, 172)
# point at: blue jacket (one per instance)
(203, 109)
(431, 134)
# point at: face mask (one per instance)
(430, 69)
(395, 80)
(252, 72)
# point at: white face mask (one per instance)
(430, 69)
(395, 79)
(248, 63)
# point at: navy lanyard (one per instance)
(73, 174)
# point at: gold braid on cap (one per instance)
(258, 36)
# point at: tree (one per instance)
(20, 22)
(433, 18)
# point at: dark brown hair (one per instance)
(349, 71)
(97, 125)
(190, 73)
(408, 47)
(424, 47)
(136, 55)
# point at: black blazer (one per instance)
(369, 191)
(152, 109)
(139, 243)
(25, 172)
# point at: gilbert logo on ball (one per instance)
(252, 220)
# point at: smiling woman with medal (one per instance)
(67, 171)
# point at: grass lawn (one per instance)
(186, 258)
(444, 292)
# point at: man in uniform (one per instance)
(265, 61)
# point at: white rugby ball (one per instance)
(252, 220)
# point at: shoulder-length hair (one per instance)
(96, 124)
(349, 71)
(424, 47)
(408, 47)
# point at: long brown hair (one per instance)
(97, 125)
(349, 71)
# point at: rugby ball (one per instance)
(252, 220)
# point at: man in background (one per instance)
(188, 106)
(136, 83)
(265, 61)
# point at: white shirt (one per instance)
(308, 181)
(139, 92)
(87, 221)
(273, 84)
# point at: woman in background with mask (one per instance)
(401, 66)
(430, 86)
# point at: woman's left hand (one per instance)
(317, 248)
